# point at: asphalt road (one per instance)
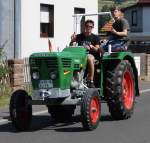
(45, 130)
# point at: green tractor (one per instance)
(59, 82)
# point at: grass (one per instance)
(4, 101)
(5, 93)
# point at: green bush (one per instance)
(5, 93)
(5, 89)
(4, 71)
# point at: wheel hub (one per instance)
(128, 90)
(94, 110)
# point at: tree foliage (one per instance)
(122, 3)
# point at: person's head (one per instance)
(117, 12)
(89, 25)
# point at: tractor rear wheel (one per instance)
(20, 110)
(120, 90)
(90, 109)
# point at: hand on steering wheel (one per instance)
(86, 46)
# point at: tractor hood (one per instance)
(76, 54)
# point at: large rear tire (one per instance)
(90, 109)
(120, 91)
(20, 110)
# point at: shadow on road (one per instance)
(45, 122)
(105, 118)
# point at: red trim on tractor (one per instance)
(94, 110)
(128, 90)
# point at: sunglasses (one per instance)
(90, 26)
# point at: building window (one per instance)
(80, 11)
(46, 20)
(134, 18)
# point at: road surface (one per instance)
(45, 130)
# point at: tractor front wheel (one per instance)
(90, 109)
(20, 110)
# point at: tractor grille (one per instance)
(51, 63)
(76, 66)
(66, 62)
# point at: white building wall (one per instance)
(63, 23)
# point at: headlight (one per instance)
(53, 75)
(35, 75)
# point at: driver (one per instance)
(91, 42)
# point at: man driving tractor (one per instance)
(91, 42)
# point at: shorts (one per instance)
(116, 45)
(95, 54)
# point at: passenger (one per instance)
(91, 42)
(119, 32)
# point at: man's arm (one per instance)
(97, 48)
(123, 33)
(73, 39)
(94, 48)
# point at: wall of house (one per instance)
(63, 24)
(7, 26)
(146, 21)
(141, 30)
(128, 16)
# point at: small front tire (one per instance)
(90, 109)
(20, 110)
